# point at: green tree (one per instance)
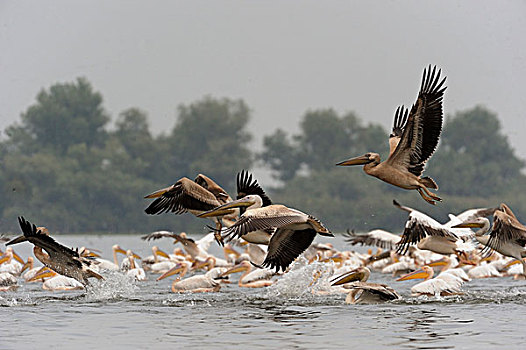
(281, 155)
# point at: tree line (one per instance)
(64, 166)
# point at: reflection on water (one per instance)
(288, 315)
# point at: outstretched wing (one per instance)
(246, 185)
(506, 229)
(286, 245)
(424, 125)
(379, 238)
(400, 121)
(184, 195)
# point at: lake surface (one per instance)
(119, 313)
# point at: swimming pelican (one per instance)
(31, 269)
(195, 284)
(59, 258)
(508, 235)
(363, 292)
(444, 284)
(431, 235)
(196, 196)
(11, 262)
(418, 142)
(134, 271)
(56, 282)
(252, 278)
(379, 238)
(295, 230)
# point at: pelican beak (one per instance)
(161, 253)
(437, 263)
(418, 274)
(25, 267)
(16, 240)
(221, 210)
(511, 263)
(158, 193)
(41, 274)
(355, 161)
(347, 277)
(18, 258)
(237, 268)
(93, 255)
(229, 250)
(136, 256)
(176, 269)
(469, 224)
(3, 259)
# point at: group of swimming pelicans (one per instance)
(274, 235)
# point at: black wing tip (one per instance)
(247, 185)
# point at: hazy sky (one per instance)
(281, 57)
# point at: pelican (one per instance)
(508, 235)
(196, 196)
(251, 278)
(444, 284)
(157, 256)
(57, 257)
(295, 230)
(363, 292)
(31, 269)
(134, 271)
(379, 238)
(195, 284)
(55, 281)
(125, 264)
(431, 235)
(7, 282)
(417, 143)
(195, 249)
(11, 262)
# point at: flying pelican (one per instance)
(363, 292)
(251, 278)
(196, 196)
(195, 284)
(295, 230)
(508, 235)
(196, 249)
(418, 142)
(379, 238)
(57, 257)
(431, 235)
(56, 282)
(444, 284)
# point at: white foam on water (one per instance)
(115, 285)
(302, 280)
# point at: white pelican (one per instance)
(195, 197)
(379, 238)
(431, 235)
(295, 230)
(7, 282)
(31, 269)
(157, 256)
(418, 141)
(134, 271)
(11, 262)
(56, 282)
(508, 235)
(252, 278)
(444, 284)
(195, 284)
(58, 258)
(363, 292)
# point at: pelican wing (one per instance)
(399, 124)
(419, 226)
(286, 245)
(506, 229)
(207, 183)
(264, 218)
(383, 291)
(247, 186)
(379, 238)
(472, 214)
(184, 195)
(424, 125)
(158, 235)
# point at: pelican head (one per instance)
(242, 266)
(28, 264)
(361, 160)
(247, 202)
(360, 274)
(179, 268)
(425, 272)
(117, 249)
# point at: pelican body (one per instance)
(411, 144)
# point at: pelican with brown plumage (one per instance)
(57, 257)
(363, 292)
(507, 236)
(295, 230)
(196, 197)
(417, 142)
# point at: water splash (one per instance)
(115, 285)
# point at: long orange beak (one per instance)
(347, 277)
(42, 273)
(226, 208)
(437, 263)
(418, 274)
(355, 161)
(163, 254)
(176, 269)
(237, 268)
(158, 193)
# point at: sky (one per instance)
(282, 57)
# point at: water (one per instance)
(119, 313)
